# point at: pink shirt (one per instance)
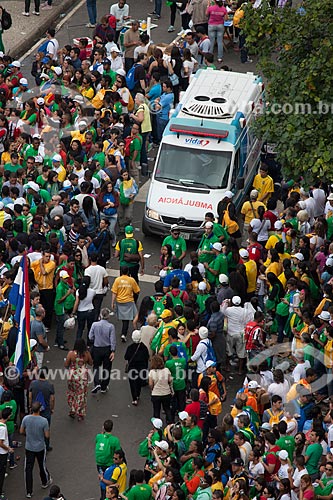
(216, 14)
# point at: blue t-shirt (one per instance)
(183, 276)
(155, 92)
(166, 101)
(108, 475)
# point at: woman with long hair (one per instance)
(159, 65)
(175, 66)
(91, 214)
(165, 257)
(213, 403)
(306, 491)
(77, 362)
(86, 89)
(160, 383)
(52, 183)
(280, 385)
(84, 306)
(127, 189)
(146, 307)
(3, 132)
(108, 202)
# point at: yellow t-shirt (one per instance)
(272, 241)
(251, 273)
(88, 93)
(77, 136)
(120, 477)
(274, 267)
(44, 282)
(62, 174)
(263, 185)
(247, 210)
(124, 287)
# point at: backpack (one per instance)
(158, 306)
(43, 47)
(128, 141)
(203, 410)
(176, 300)
(112, 21)
(210, 352)
(40, 398)
(249, 335)
(130, 78)
(6, 20)
(274, 419)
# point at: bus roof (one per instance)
(219, 95)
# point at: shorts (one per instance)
(236, 343)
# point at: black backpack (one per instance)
(6, 20)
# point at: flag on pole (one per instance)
(19, 297)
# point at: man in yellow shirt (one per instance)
(167, 322)
(249, 211)
(123, 291)
(251, 272)
(44, 270)
(58, 167)
(276, 236)
(264, 184)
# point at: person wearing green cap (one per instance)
(130, 253)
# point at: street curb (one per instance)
(53, 17)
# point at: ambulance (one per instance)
(207, 148)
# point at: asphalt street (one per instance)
(71, 463)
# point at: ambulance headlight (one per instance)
(152, 214)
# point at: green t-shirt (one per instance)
(30, 151)
(327, 489)
(105, 446)
(131, 246)
(329, 228)
(219, 231)
(41, 182)
(24, 221)
(194, 434)
(201, 301)
(112, 74)
(178, 245)
(10, 422)
(206, 244)
(100, 158)
(314, 452)
(220, 264)
(11, 168)
(287, 443)
(136, 145)
(67, 304)
(45, 195)
(140, 492)
(177, 367)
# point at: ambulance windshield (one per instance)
(193, 167)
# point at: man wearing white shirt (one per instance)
(299, 371)
(120, 11)
(236, 322)
(53, 45)
(295, 477)
(319, 197)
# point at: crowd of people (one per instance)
(255, 295)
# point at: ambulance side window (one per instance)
(236, 169)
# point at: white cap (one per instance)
(64, 274)
(298, 256)
(163, 445)
(37, 136)
(79, 98)
(210, 363)
(330, 197)
(20, 201)
(228, 194)
(217, 246)
(1, 53)
(39, 159)
(203, 332)
(244, 253)
(114, 48)
(183, 415)
(136, 336)
(278, 225)
(23, 81)
(283, 454)
(157, 423)
(10, 206)
(1, 205)
(32, 185)
(209, 224)
(121, 72)
(56, 157)
(202, 286)
(253, 384)
(33, 343)
(66, 184)
(16, 64)
(236, 300)
(266, 425)
(329, 262)
(254, 194)
(40, 101)
(223, 279)
(82, 123)
(57, 70)
(174, 227)
(324, 315)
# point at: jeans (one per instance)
(158, 7)
(216, 32)
(60, 320)
(101, 358)
(3, 465)
(30, 457)
(27, 5)
(160, 126)
(113, 221)
(129, 61)
(243, 49)
(281, 321)
(92, 11)
(165, 402)
(84, 317)
(11, 455)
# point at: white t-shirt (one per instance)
(261, 228)
(190, 66)
(299, 370)
(119, 14)
(4, 437)
(52, 48)
(200, 266)
(116, 63)
(96, 273)
(292, 426)
(282, 473)
(279, 389)
(330, 435)
(86, 304)
(255, 470)
(297, 481)
(245, 450)
(319, 197)
(95, 182)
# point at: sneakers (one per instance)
(123, 338)
(63, 347)
(220, 60)
(35, 13)
(171, 29)
(13, 467)
(25, 14)
(28, 495)
(50, 481)
(90, 25)
(104, 391)
(152, 13)
(96, 389)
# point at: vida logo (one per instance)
(196, 142)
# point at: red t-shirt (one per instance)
(272, 458)
(194, 409)
(271, 217)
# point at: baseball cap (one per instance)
(106, 61)
(329, 262)
(37, 136)
(254, 193)
(228, 194)
(66, 185)
(40, 101)
(56, 157)
(324, 315)
(39, 159)
(283, 454)
(165, 314)
(46, 60)
(31, 185)
(79, 98)
(266, 426)
(10, 206)
(15, 64)
(236, 300)
(129, 231)
(163, 445)
(82, 123)
(157, 423)
(33, 343)
(278, 225)
(24, 81)
(203, 332)
(202, 286)
(121, 72)
(238, 461)
(298, 256)
(253, 384)
(183, 415)
(57, 70)
(64, 274)
(174, 227)
(223, 279)
(217, 246)
(244, 253)
(210, 363)
(330, 197)
(115, 49)
(209, 224)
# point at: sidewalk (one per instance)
(25, 31)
